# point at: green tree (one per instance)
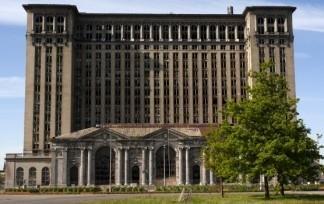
(268, 136)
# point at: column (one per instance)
(180, 181)
(89, 166)
(112, 89)
(142, 86)
(122, 32)
(189, 33)
(203, 171)
(211, 177)
(132, 88)
(226, 33)
(190, 87)
(132, 32)
(160, 33)
(179, 33)
(65, 170)
(275, 25)
(64, 29)
(265, 24)
(286, 25)
(54, 24)
(198, 33)
(180, 78)
(112, 32)
(170, 32)
(217, 33)
(207, 33)
(81, 167)
(122, 86)
(161, 83)
(151, 166)
(141, 33)
(171, 96)
(43, 24)
(187, 165)
(151, 32)
(118, 166)
(151, 88)
(126, 166)
(236, 33)
(210, 88)
(143, 167)
(53, 167)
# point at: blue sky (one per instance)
(309, 53)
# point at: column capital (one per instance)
(151, 148)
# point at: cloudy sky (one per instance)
(308, 22)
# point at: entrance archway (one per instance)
(195, 174)
(165, 165)
(74, 175)
(105, 166)
(135, 174)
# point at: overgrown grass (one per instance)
(216, 199)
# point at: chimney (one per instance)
(230, 10)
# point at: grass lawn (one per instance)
(216, 199)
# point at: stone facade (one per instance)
(136, 90)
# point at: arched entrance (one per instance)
(74, 175)
(165, 165)
(195, 174)
(105, 166)
(135, 174)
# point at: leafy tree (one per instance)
(267, 135)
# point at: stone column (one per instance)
(141, 33)
(118, 166)
(160, 33)
(170, 32)
(286, 25)
(179, 33)
(151, 166)
(187, 166)
(180, 181)
(65, 167)
(265, 23)
(276, 25)
(132, 32)
(122, 32)
(211, 177)
(53, 167)
(203, 171)
(126, 166)
(226, 33)
(151, 32)
(64, 25)
(217, 33)
(112, 33)
(198, 33)
(143, 166)
(81, 168)
(189, 33)
(89, 167)
(207, 33)
(43, 24)
(236, 33)
(54, 24)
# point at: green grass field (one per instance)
(216, 199)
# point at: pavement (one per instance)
(84, 198)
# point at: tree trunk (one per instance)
(266, 188)
(222, 187)
(282, 189)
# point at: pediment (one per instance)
(165, 134)
(105, 135)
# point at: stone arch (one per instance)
(165, 165)
(19, 176)
(105, 166)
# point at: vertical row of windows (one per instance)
(48, 92)
(282, 56)
(204, 65)
(272, 59)
(36, 105)
(58, 105)
(233, 76)
(223, 78)
(176, 88)
(243, 75)
(214, 86)
(166, 84)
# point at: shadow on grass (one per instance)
(299, 197)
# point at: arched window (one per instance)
(165, 164)
(222, 32)
(260, 25)
(45, 176)
(20, 176)
(212, 31)
(270, 24)
(281, 24)
(32, 176)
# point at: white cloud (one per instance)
(12, 87)
(306, 17)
